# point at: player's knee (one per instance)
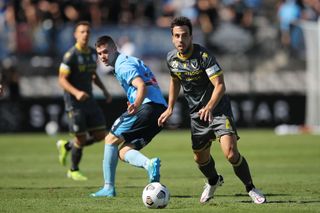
(122, 153)
(232, 156)
(79, 143)
(200, 157)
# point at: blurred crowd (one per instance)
(228, 26)
(20, 18)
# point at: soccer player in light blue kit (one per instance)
(136, 127)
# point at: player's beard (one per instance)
(188, 49)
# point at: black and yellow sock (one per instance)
(241, 169)
(209, 171)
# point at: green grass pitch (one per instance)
(285, 168)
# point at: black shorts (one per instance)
(203, 132)
(86, 117)
(140, 128)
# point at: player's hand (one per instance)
(164, 117)
(82, 96)
(205, 114)
(132, 109)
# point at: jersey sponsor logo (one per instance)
(189, 76)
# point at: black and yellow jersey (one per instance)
(79, 65)
(194, 72)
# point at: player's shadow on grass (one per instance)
(279, 201)
(182, 196)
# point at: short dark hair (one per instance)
(105, 40)
(181, 21)
(86, 23)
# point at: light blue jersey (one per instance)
(128, 68)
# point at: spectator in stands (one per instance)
(310, 10)
(288, 13)
(10, 79)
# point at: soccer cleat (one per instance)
(154, 170)
(76, 175)
(209, 190)
(257, 196)
(62, 151)
(104, 192)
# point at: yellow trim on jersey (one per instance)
(185, 56)
(216, 75)
(64, 69)
(82, 50)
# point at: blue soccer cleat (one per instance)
(154, 170)
(104, 192)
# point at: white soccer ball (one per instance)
(155, 195)
(52, 128)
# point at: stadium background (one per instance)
(259, 44)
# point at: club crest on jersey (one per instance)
(194, 63)
(175, 64)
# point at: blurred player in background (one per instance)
(201, 77)
(136, 127)
(86, 120)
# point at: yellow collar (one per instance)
(82, 50)
(187, 55)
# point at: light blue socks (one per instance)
(110, 162)
(137, 159)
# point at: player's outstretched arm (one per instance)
(174, 90)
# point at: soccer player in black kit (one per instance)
(201, 77)
(77, 73)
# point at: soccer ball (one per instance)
(52, 128)
(155, 196)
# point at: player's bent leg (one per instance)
(62, 150)
(134, 157)
(240, 167)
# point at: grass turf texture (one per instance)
(285, 168)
